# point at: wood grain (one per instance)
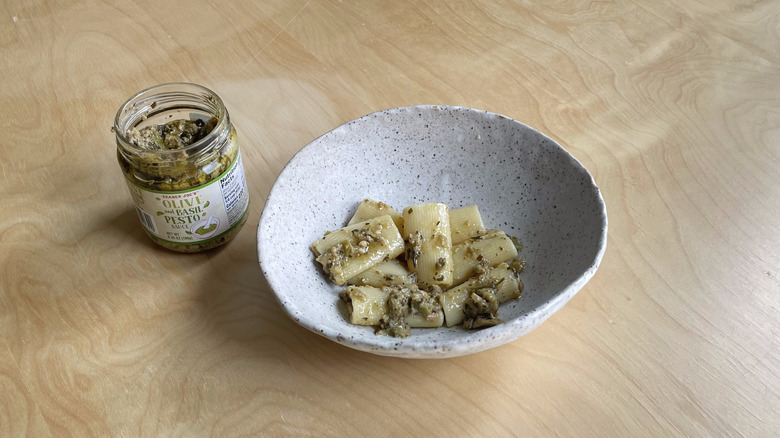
(673, 106)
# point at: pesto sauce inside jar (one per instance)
(176, 134)
(173, 142)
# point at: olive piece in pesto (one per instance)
(175, 134)
(481, 309)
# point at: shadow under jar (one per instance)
(181, 160)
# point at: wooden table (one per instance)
(673, 106)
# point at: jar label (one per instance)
(197, 215)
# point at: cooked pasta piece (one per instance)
(384, 274)
(428, 243)
(369, 209)
(351, 250)
(366, 304)
(394, 309)
(465, 223)
(502, 279)
(418, 320)
(474, 255)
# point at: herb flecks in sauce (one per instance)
(405, 301)
(518, 245)
(364, 239)
(481, 309)
(176, 134)
(414, 246)
(518, 265)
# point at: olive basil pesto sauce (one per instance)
(180, 157)
(176, 171)
(365, 238)
(175, 134)
(182, 173)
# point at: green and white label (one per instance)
(198, 215)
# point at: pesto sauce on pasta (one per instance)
(410, 304)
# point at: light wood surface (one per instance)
(673, 106)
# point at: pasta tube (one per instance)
(369, 209)
(351, 250)
(501, 279)
(418, 320)
(465, 223)
(391, 307)
(474, 255)
(428, 244)
(366, 304)
(384, 274)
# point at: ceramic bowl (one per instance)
(522, 181)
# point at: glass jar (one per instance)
(181, 160)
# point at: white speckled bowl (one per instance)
(523, 182)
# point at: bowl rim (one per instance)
(475, 341)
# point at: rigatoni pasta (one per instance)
(389, 273)
(501, 279)
(403, 270)
(369, 209)
(474, 255)
(353, 249)
(465, 223)
(428, 243)
(366, 304)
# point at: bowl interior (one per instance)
(523, 182)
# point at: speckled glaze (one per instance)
(523, 182)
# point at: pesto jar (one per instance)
(181, 160)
